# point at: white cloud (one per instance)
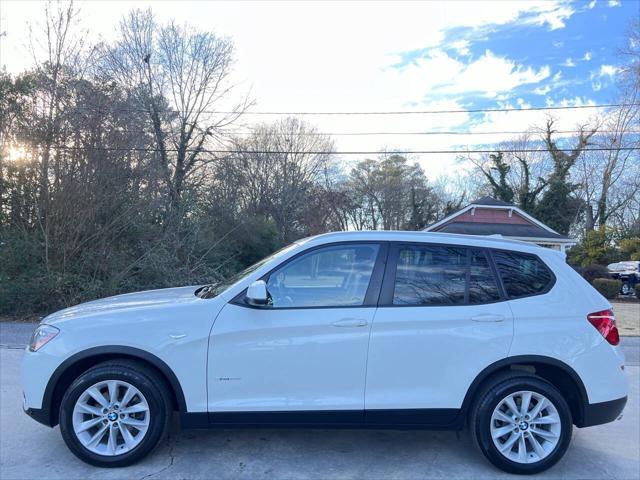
(554, 15)
(568, 63)
(321, 56)
(542, 90)
(462, 47)
(587, 56)
(613, 3)
(592, 4)
(600, 78)
(608, 70)
(489, 75)
(527, 120)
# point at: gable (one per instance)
(489, 215)
(508, 221)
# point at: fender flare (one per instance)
(114, 350)
(523, 360)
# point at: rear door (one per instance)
(442, 319)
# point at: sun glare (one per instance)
(16, 153)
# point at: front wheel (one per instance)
(626, 289)
(521, 423)
(115, 413)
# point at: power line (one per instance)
(397, 112)
(421, 112)
(328, 152)
(339, 134)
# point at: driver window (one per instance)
(328, 277)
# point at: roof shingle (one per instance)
(504, 229)
(491, 201)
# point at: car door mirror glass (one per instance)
(257, 293)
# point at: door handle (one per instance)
(488, 317)
(350, 322)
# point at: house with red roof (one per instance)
(488, 216)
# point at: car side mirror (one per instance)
(257, 293)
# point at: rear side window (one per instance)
(430, 275)
(522, 274)
(483, 287)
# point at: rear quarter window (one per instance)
(522, 274)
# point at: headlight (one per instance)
(41, 336)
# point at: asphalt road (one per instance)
(30, 450)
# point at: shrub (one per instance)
(596, 248)
(637, 287)
(631, 247)
(607, 287)
(591, 272)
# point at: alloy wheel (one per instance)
(111, 417)
(525, 427)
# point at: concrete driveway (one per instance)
(30, 450)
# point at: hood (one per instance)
(127, 303)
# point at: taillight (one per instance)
(605, 323)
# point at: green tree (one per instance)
(596, 248)
(630, 248)
(559, 206)
(500, 188)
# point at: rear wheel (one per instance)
(115, 413)
(626, 289)
(521, 423)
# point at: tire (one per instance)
(626, 289)
(145, 416)
(486, 421)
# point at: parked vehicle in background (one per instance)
(351, 329)
(628, 273)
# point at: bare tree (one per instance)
(63, 49)
(629, 71)
(389, 194)
(181, 79)
(60, 57)
(610, 179)
(276, 173)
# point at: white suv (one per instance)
(357, 329)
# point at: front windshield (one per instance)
(216, 289)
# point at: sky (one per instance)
(400, 56)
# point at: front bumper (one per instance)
(40, 415)
(603, 412)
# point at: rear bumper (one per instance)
(603, 412)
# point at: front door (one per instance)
(441, 320)
(304, 352)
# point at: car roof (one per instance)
(493, 241)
